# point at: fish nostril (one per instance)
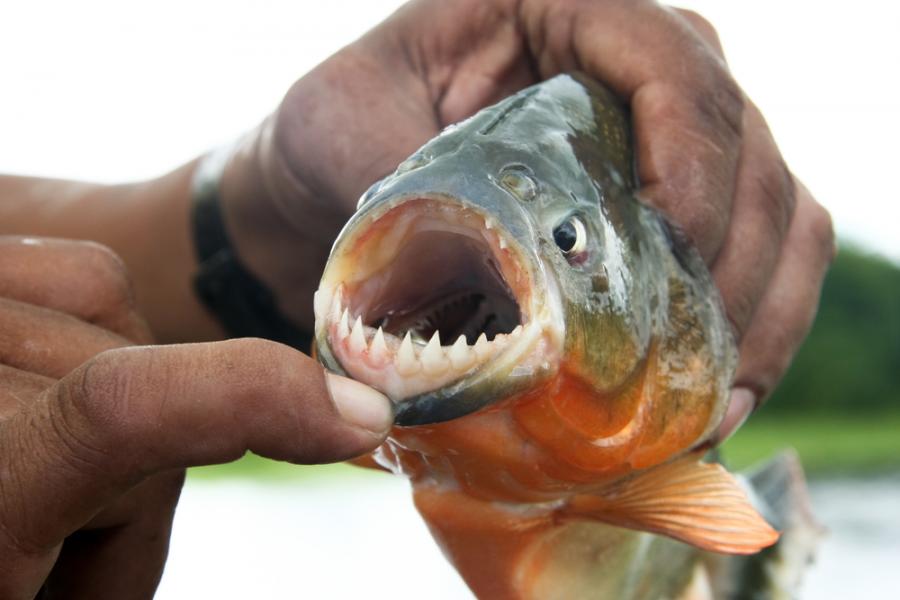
(412, 163)
(518, 180)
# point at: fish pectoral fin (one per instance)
(697, 503)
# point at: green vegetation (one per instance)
(828, 444)
(839, 404)
(850, 364)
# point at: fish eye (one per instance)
(571, 237)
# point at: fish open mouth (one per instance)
(424, 295)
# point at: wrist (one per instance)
(152, 235)
(144, 223)
(277, 227)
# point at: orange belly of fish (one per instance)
(497, 487)
(559, 439)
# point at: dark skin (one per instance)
(97, 426)
(96, 431)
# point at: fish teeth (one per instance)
(482, 346)
(461, 355)
(406, 363)
(488, 223)
(357, 337)
(515, 332)
(322, 302)
(502, 243)
(344, 324)
(378, 348)
(433, 360)
(337, 303)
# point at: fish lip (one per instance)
(456, 400)
(461, 396)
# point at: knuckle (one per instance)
(705, 225)
(821, 229)
(739, 312)
(96, 409)
(778, 195)
(76, 445)
(720, 103)
(701, 25)
(108, 276)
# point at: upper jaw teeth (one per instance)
(399, 367)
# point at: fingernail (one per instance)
(742, 403)
(359, 404)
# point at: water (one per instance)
(860, 557)
(361, 538)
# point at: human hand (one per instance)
(95, 432)
(705, 155)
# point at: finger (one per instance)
(740, 405)
(687, 109)
(133, 412)
(788, 307)
(46, 342)
(763, 207)
(774, 191)
(19, 388)
(100, 562)
(704, 29)
(82, 279)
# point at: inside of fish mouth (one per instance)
(443, 281)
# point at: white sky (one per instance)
(110, 90)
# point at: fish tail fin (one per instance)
(778, 490)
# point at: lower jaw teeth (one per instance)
(410, 356)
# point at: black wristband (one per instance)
(241, 303)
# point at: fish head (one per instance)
(504, 249)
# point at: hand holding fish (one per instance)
(95, 432)
(705, 156)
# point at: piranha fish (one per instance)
(559, 362)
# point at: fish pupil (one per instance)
(565, 236)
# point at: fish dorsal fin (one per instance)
(698, 503)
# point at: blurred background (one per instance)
(114, 91)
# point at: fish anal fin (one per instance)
(697, 503)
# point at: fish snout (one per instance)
(435, 296)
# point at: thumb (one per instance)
(132, 412)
